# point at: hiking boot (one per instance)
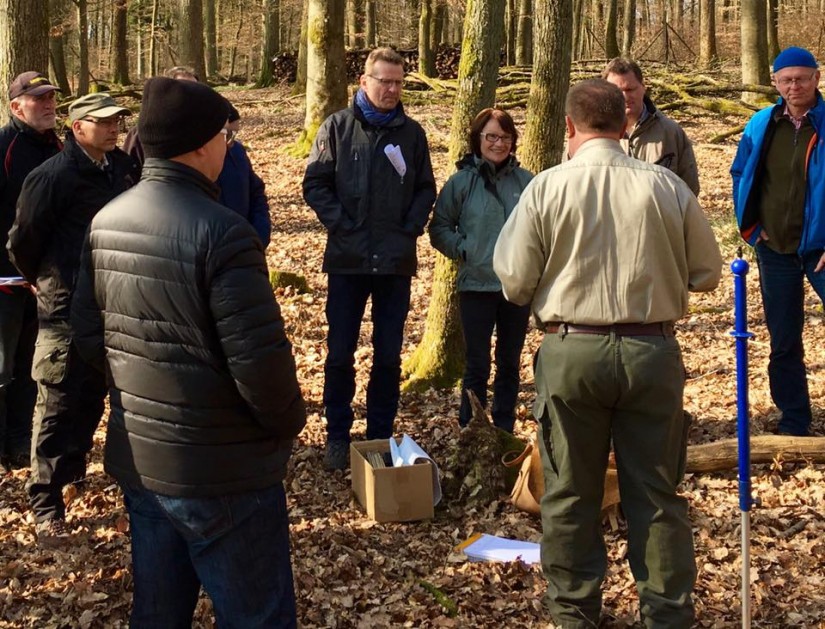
(337, 455)
(52, 533)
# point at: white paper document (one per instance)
(410, 453)
(13, 281)
(396, 158)
(483, 547)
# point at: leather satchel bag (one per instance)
(529, 486)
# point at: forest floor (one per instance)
(353, 572)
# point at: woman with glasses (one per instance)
(469, 214)
(242, 189)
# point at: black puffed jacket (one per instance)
(22, 149)
(58, 201)
(174, 295)
(373, 214)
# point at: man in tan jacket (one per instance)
(606, 248)
(651, 136)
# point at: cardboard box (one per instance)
(391, 494)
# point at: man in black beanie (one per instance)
(205, 403)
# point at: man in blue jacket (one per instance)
(778, 192)
(370, 181)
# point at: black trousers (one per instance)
(481, 312)
(70, 395)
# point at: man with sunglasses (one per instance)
(56, 205)
(370, 181)
(778, 191)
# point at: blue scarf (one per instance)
(373, 116)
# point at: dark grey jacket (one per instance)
(174, 295)
(372, 214)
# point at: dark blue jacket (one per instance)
(243, 191)
(746, 171)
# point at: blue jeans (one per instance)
(236, 546)
(18, 330)
(346, 302)
(781, 278)
(480, 313)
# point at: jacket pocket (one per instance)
(51, 358)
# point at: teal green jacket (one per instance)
(469, 214)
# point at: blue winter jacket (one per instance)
(243, 191)
(749, 162)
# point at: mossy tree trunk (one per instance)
(510, 30)
(426, 54)
(271, 40)
(439, 358)
(326, 74)
(754, 33)
(544, 132)
(707, 33)
(24, 42)
(300, 86)
(370, 25)
(524, 33)
(629, 27)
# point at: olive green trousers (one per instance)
(592, 389)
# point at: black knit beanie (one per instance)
(179, 116)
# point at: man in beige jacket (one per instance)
(606, 248)
(651, 136)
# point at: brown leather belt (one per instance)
(663, 328)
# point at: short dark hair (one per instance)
(505, 121)
(384, 53)
(596, 105)
(623, 65)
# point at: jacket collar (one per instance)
(46, 137)
(399, 119)
(816, 114)
(599, 144)
(471, 161)
(155, 168)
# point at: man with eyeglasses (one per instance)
(651, 136)
(25, 142)
(56, 205)
(778, 195)
(370, 181)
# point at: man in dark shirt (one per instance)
(25, 142)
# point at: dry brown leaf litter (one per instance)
(351, 572)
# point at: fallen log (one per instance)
(722, 455)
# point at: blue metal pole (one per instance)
(739, 267)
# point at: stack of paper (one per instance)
(410, 453)
(483, 547)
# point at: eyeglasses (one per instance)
(492, 138)
(113, 121)
(387, 82)
(229, 135)
(801, 81)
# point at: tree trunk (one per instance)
(723, 455)
(510, 30)
(426, 55)
(578, 27)
(370, 26)
(438, 360)
(629, 30)
(153, 49)
(544, 132)
(120, 63)
(57, 53)
(773, 28)
(754, 33)
(611, 39)
(191, 36)
(355, 22)
(300, 86)
(82, 47)
(326, 71)
(439, 24)
(271, 40)
(24, 41)
(524, 35)
(211, 37)
(707, 33)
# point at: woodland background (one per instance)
(350, 571)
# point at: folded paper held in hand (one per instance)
(400, 493)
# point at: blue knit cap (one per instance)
(794, 56)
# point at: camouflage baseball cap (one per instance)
(99, 105)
